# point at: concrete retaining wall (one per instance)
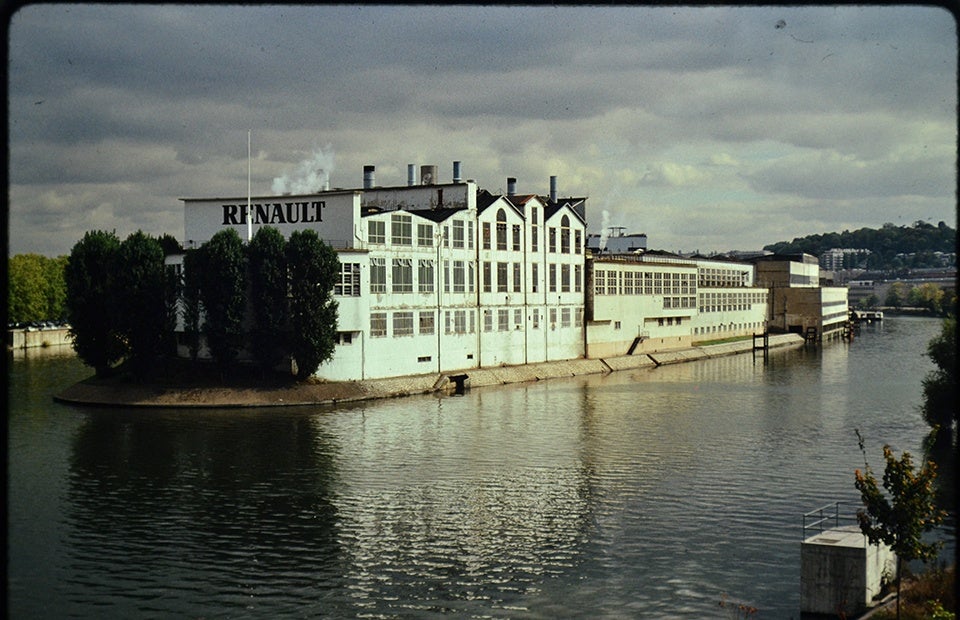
(23, 339)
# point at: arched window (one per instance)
(501, 230)
(565, 235)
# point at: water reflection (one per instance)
(222, 510)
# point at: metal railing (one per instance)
(829, 516)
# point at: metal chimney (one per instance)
(368, 174)
(411, 175)
(456, 172)
(511, 186)
(428, 175)
(553, 189)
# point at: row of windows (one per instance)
(730, 301)
(408, 323)
(402, 323)
(730, 327)
(617, 282)
(401, 234)
(458, 277)
(722, 278)
(569, 317)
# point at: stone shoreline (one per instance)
(131, 395)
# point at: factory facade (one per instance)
(446, 277)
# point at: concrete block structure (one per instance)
(841, 573)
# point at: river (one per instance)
(655, 493)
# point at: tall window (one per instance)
(534, 277)
(502, 274)
(378, 324)
(458, 233)
(402, 275)
(459, 279)
(401, 229)
(425, 271)
(487, 278)
(470, 234)
(424, 235)
(378, 275)
(487, 320)
(552, 241)
(486, 235)
(348, 284)
(565, 234)
(535, 319)
(501, 229)
(503, 320)
(533, 229)
(564, 278)
(376, 231)
(516, 237)
(517, 280)
(578, 278)
(552, 278)
(577, 241)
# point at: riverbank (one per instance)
(119, 393)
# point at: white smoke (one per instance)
(604, 229)
(311, 175)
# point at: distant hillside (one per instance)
(916, 243)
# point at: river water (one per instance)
(655, 493)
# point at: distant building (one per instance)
(614, 241)
(798, 302)
(838, 259)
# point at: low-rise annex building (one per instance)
(644, 303)
(435, 277)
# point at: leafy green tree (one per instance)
(26, 288)
(903, 512)
(268, 285)
(223, 290)
(91, 300)
(141, 299)
(896, 295)
(314, 267)
(56, 287)
(928, 295)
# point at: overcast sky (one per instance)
(708, 129)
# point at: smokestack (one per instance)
(411, 175)
(456, 172)
(368, 172)
(553, 189)
(428, 175)
(511, 186)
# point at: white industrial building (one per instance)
(435, 277)
(447, 277)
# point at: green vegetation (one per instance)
(915, 244)
(903, 512)
(940, 385)
(271, 298)
(313, 311)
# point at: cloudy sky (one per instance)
(706, 128)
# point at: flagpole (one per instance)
(249, 213)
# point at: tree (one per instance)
(928, 295)
(268, 285)
(313, 269)
(141, 300)
(940, 385)
(896, 295)
(223, 289)
(900, 516)
(26, 299)
(91, 296)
